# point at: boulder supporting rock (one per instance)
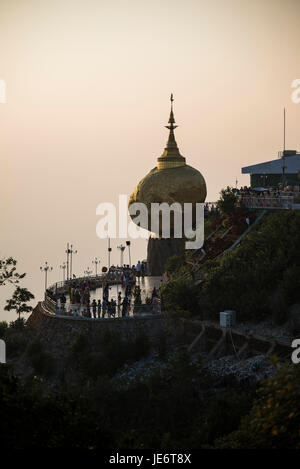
(159, 251)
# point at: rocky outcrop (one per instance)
(250, 370)
(159, 251)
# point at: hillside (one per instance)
(259, 279)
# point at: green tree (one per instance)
(180, 296)
(174, 263)
(8, 271)
(227, 203)
(18, 301)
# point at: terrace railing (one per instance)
(282, 202)
(50, 304)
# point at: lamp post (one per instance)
(72, 251)
(67, 251)
(63, 267)
(96, 262)
(45, 269)
(88, 272)
(109, 251)
(128, 243)
(122, 249)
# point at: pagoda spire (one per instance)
(171, 147)
(171, 156)
(171, 118)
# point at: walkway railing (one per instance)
(79, 311)
(108, 277)
(282, 202)
(50, 304)
(250, 228)
(198, 267)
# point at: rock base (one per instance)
(159, 251)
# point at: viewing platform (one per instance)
(74, 298)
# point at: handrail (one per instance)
(226, 232)
(262, 214)
(81, 311)
(258, 219)
(111, 276)
(67, 315)
(195, 253)
(281, 202)
(51, 304)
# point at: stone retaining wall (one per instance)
(60, 330)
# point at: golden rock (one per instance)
(171, 181)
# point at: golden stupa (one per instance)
(172, 180)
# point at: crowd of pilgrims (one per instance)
(79, 295)
(259, 196)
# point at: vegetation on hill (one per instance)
(274, 420)
(109, 356)
(176, 405)
(260, 278)
(228, 202)
(171, 407)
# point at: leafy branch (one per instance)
(8, 271)
(18, 301)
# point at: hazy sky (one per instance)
(88, 86)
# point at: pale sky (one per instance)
(87, 97)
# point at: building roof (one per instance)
(291, 163)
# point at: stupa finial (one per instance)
(171, 143)
(171, 156)
(171, 118)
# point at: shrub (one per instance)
(274, 419)
(34, 347)
(278, 308)
(174, 263)
(3, 328)
(162, 347)
(290, 284)
(18, 324)
(140, 346)
(180, 295)
(110, 355)
(41, 361)
(42, 364)
(15, 344)
(79, 344)
(222, 415)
